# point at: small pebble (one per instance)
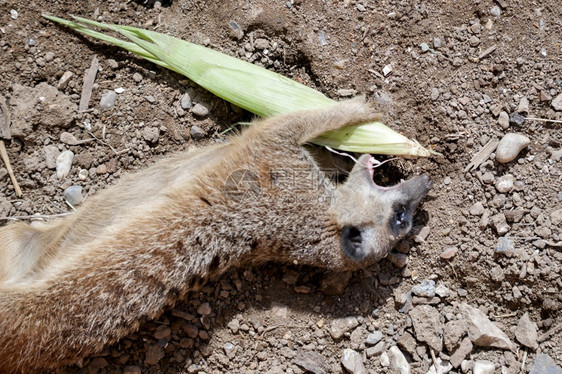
(517, 119)
(352, 361)
(510, 146)
(505, 183)
(557, 103)
(204, 309)
(449, 253)
(63, 81)
(322, 38)
(49, 56)
(434, 93)
(437, 43)
(236, 29)
(483, 367)
(200, 110)
(477, 209)
(107, 100)
(51, 154)
(523, 105)
(196, 132)
(64, 163)
(119, 90)
(504, 245)
(495, 11)
(151, 134)
(503, 120)
(73, 195)
(424, 289)
(14, 14)
(185, 101)
(83, 174)
(398, 361)
(424, 47)
(387, 70)
(373, 338)
(137, 77)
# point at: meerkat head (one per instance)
(371, 218)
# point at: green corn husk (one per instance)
(248, 86)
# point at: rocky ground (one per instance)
(476, 288)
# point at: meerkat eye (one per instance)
(352, 242)
(400, 217)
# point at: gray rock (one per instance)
(504, 184)
(424, 47)
(503, 120)
(397, 361)
(108, 100)
(523, 105)
(312, 361)
(483, 367)
(73, 195)
(434, 94)
(437, 43)
(353, 362)
(51, 154)
(495, 11)
(373, 338)
(185, 101)
(427, 325)
(477, 209)
(556, 217)
(544, 364)
(68, 138)
(137, 77)
(377, 350)
(510, 146)
(151, 134)
(64, 163)
(342, 325)
(449, 253)
(200, 110)
(483, 332)
(526, 332)
(196, 132)
(557, 103)
(442, 291)
(517, 119)
(443, 367)
(499, 223)
(63, 81)
(462, 351)
(408, 343)
(424, 289)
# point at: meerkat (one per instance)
(70, 287)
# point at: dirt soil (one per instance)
(463, 73)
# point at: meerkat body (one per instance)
(72, 286)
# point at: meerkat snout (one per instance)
(383, 215)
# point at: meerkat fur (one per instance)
(70, 287)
